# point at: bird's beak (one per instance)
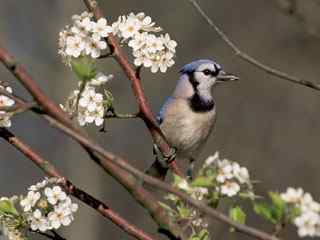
(226, 77)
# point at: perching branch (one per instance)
(244, 56)
(145, 111)
(51, 171)
(250, 231)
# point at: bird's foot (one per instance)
(165, 159)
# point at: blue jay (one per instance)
(188, 116)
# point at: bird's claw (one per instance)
(164, 158)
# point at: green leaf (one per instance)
(7, 206)
(279, 206)
(265, 211)
(293, 213)
(84, 67)
(237, 214)
(202, 235)
(203, 181)
(108, 102)
(166, 207)
(214, 199)
(176, 179)
(184, 212)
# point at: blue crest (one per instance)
(191, 67)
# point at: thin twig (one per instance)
(51, 171)
(278, 228)
(244, 56)
(113, 114)
(17, 108)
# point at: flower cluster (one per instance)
(149, 50)
(198, 193)
(231, 177)
(182, 212)
(84, 37)
(308, 218)
(47, 206)
(86, 103)
(216, 179)
(5, 102)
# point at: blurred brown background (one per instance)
(269, 125)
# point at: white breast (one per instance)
(185, 129)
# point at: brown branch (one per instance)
(53, 112)
(145, 111)
(51, 171)
(244, 56)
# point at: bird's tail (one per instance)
(158, 170)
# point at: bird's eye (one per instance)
(207, 72)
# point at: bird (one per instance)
(188, 116)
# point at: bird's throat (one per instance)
(200, 104)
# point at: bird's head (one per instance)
(200, 76)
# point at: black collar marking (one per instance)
(196, 102)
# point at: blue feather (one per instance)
(191, 67)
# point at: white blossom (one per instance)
(211, 159)
(49, 208)
(292, 195)
(84, 25)
(308, 221)
(231, 177)
(5, 102)
(30, 200)
(169, 43)
(138, 41)
(83, 37)
(199, 193)
(149, 50)
(241, 173)
(94, 46)
(100, 79)
(39, 222)
(82, 16)
(308, 224)
(74, 46)
(91, 107)
(230, 189)
(91, 103)
(308, 204)
(101, 27)
(184, 185)
(225, 171)
(55, 194)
